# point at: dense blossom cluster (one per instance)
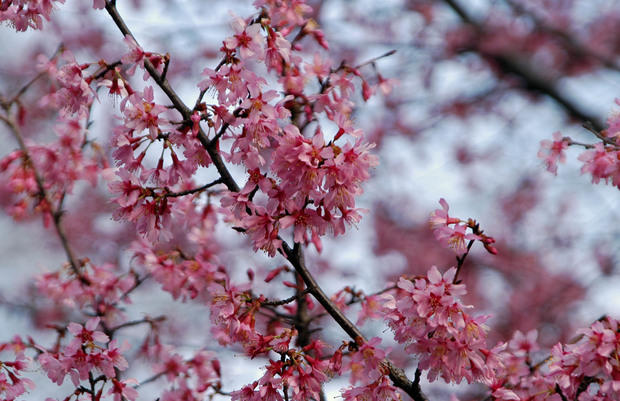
(586, 368)
(100, 288)
(429, 319)
(284, 117)
(589, 369)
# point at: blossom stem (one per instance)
(461, 260)
(590, 127)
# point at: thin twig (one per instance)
(374, 59)
(287, 300)
(56, 214)
(194, 190)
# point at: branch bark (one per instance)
(399, 378)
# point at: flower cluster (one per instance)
(297, 178)
(381, 389)
(369, 377)
(584, 369)
(603, 163)
(427, 316)
(233, 313)
(298, 373)
(189, 378)
(11, 384)
(86, 357)
(24, 14)
(589, 369)
(454, 237)
(41, 175)
(99, 287)
(601, 160)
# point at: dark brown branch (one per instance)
(558, 391)
(571, 43)
(397, 375)
(460, 260)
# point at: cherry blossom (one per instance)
(553, 152)
(269, 155)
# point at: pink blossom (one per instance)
(524, 343)
(381, 389)
(85, 335)
(455, 237)
(440, 218)
(553, 151)
(264, 230)
(278, 51)
(370, 306)
(116, 85)
(247, 38)
(303, 220)
(319, 68)
(365, 363)
(143, 113)
(602, 163)
(135, 56)
(123, 389)
(12, 387)
(246, 393)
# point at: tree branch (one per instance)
(517, 66)
(294, 255)
(397, 375)
(178, 104)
